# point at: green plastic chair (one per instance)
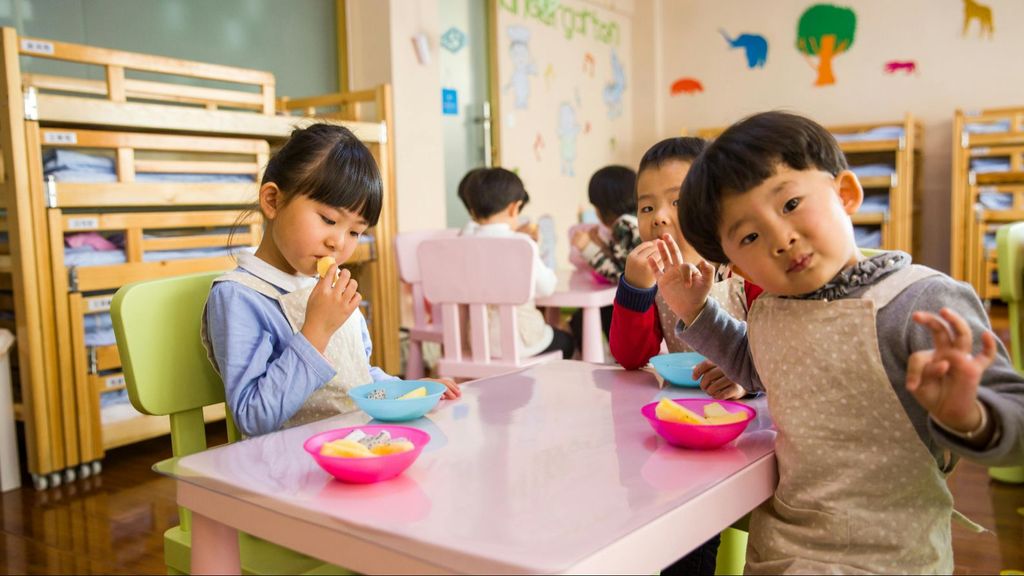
(167, 372)
(1010, 256)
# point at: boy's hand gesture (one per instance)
(684, 286)
(332, 301)
(638, 272)
(945, 380)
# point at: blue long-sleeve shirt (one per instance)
(268, 369)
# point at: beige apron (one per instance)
(728, 293)
(345, 352)
(858, 491)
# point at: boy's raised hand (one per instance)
(638, 272)
(332, 301)
(684, 286)
(945, 380)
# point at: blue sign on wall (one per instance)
(449, 101)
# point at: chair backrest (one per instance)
(478, 272)
(406, 246)
(1010, 256)
(166, 369)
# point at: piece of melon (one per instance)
(417, 393)
(672, 412)
(395, 447)
(715, 413)
(345, 449)
(323, 265)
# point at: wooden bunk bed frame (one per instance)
(899, 231)
(970, 260)
(59, 405)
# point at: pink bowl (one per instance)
(699, 436)
(367, 470)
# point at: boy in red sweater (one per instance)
(641, 320)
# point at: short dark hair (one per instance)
(611, 191)
(491, 190)
(682, 148)
(463, 184)
(745, 155)
(327, 163)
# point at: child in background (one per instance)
(878, 372)
(612, 192)
(288, 346)
(641, 319)
(470, 226)
(494, 197)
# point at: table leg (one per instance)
(593, 346)
(214, 547)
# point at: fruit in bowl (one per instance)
(397, 400)
(366, 454)
(698, 423)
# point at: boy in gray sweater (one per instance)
(879, 373)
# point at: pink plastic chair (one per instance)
(424, 329)
(479, 272)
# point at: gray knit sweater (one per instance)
(724, 340)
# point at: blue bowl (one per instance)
(390, 409)
(677, 368)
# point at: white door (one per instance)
(465, 94)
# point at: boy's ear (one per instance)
(851, 194)
(271, 200)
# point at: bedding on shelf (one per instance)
(879, 133)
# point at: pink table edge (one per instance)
(578, 290)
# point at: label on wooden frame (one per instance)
(98, 304)
(37, 46)
(114, 382)
(60, 138)
(85, 223)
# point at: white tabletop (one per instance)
(551, 469)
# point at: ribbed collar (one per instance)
(862, 274)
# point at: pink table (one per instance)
(578, 289)
(548, 470)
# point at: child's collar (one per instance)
(265, 271)
(864, 273)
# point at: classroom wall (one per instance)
(565, 101)
(953, 70)
(380, 50)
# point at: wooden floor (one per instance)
(114, 523)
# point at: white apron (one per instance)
(858, 490)
(344, 352)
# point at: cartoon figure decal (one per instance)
(907, 66)
(614, 89)
(755, 46)
(453, 40)
(686, 86)
(980, 12)
(568, 130)
(825, 31)
(523, 65)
